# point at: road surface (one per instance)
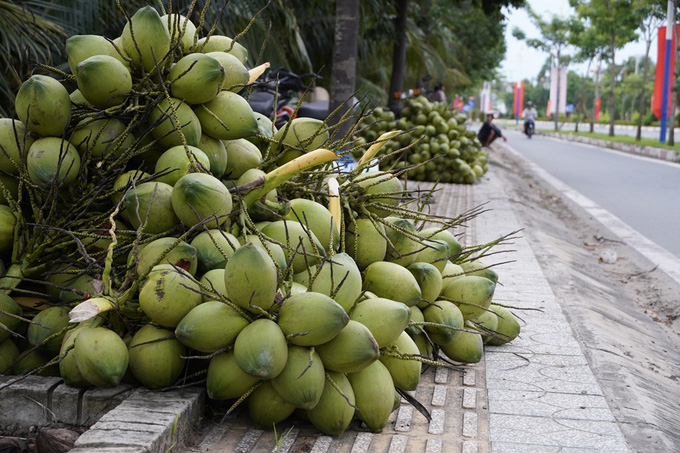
(643, 192)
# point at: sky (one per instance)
(523, 62)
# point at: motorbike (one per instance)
(285, 88)
(529, 128)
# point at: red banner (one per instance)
(518, 103)
(658, 79)
(597, 109)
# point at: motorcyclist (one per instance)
(530, 114)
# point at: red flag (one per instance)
(658, 79)
(597, 108)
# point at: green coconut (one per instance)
(267, 408)
(381, 190)
(265, 129)
(219, 43)
(151, 40)
(487, 324)
(274, 250)
(68, 366)
(365, 242)
(445, 235)
(102, 138)
(166, 250)
(385, 318)
(374, 395)
(8, 307)
(351, 350)
(196, 78)
(81, 288)
(9, 188)
(214, 247)
(210, 326)
(124, 181)
(82, 47)
(14, 142)
(310, 319)
(242, 155)
(392, 281)
(429, 280)
(7, 222)
(450, 273)
(251, 278)
(302, 380)
(168, 294)
(103, 80)
(237, 75)
(149, 205)
(226, 380)
(102, 356)
(52, 160)
(466, 347)
(479, 269)
(43, 105)
(50, 322)
(318, 218)
(31, 361)
(173, 118)
(216, 152)
(340, 278)
(449, 321)
(175, 163)
(180, 28)
(201, 198)
(401, 248)
(300, 244)
(405, 371)
(261, 350)
(507, 328)
(299, 137)
(214, 281)
(228, 116)
(8, 354)
(472, 294)
(335, 409)
(78, 98)
(156, 359)
(435, 252)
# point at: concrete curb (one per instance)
(647, 151)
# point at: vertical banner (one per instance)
(515, 105)
(520, 108)
(657, 95)
(560, 73)
(548, 110)
(597, 109)
(485, 98)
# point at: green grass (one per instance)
(623, 139)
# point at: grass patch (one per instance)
(622, 139)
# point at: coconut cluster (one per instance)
(435, 144)
(156, 230)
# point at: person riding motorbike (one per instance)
(530, 115)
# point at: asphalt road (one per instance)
(643, 192)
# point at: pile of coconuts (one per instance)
(154, 230)
(435, 144)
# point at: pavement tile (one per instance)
(549, 404)
(566, 433)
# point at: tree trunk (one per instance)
(343, 70)
(612, 83)
(399, 55)
(581, 95)
(597, 93)
(641, 104)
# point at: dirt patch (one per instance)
(624, 311)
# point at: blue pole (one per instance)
(666, 71)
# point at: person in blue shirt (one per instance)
(489, 132)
